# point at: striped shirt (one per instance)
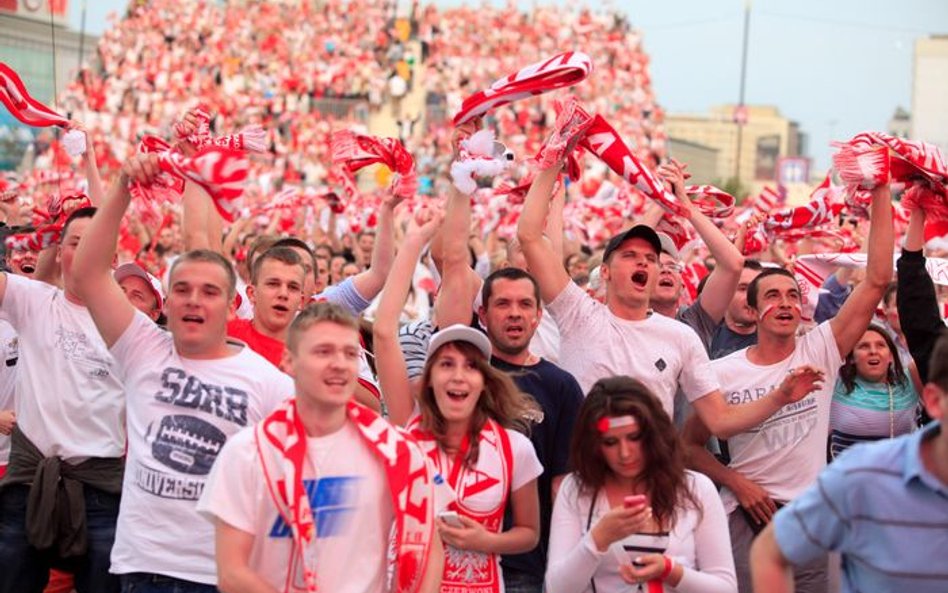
(865, 414)
(882, 510)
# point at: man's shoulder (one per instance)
(736, 358)
(872, 461)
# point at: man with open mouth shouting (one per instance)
(186, 392)
(623, 336)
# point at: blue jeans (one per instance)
(24, 569)
(143, 582)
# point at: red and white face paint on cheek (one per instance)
(772, 309)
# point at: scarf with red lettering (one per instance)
(17, 99)
(281, 444)
(467, 570)
(355, 151)
(563, 70)
(576, 129)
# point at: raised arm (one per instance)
(856, 313)
(196, 217)
(729, 263)
(542, 260)
(370, 282)
(91, 166)
(92, 265)
(916, 298)
(459, 282)
(389, 360)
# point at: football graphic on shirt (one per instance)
(187, 444)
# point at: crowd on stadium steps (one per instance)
(382, 391)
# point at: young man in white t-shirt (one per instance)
(777, 460)
(187, 391)
(344, 480)
(70, 416)
(623, 336)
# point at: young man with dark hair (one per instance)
(69, 438)
(739, 328)
(187, 391)
(511, 313)
(882, 506)
(275, 291)
(326, 525)
(775, 462)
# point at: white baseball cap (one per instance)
(668, 245)
(460, 333)
(132, 269)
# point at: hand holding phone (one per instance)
(635, 500)
(451, 518)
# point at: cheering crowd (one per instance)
(230, 367)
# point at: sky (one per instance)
(837, 67)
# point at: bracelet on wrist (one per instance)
(669, 566)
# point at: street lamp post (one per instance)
(740, 114)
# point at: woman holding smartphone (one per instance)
(630, 517)
(463, 419)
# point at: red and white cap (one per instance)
(132, 269)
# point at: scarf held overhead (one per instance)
(22, 105)
(563, 70)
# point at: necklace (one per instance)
(891, 411)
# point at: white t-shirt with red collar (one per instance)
(181, 411)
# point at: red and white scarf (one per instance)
(17, 99)
(813, 269)
(43, 238)
(873, 158)
(221, 172)
(563, 70)
(355, 151)
(466, 570)
(281, 444)
(821, 210)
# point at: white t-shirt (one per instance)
(181, 411)
(660, 352)
(245, 310)
(785, 454)
(546, 340)
(9, 353)
(70, 402)
(349, 496)
(698, 541)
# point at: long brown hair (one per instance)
(894, 375)
(500, 401)
(664, 469)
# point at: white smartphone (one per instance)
(451, 518)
